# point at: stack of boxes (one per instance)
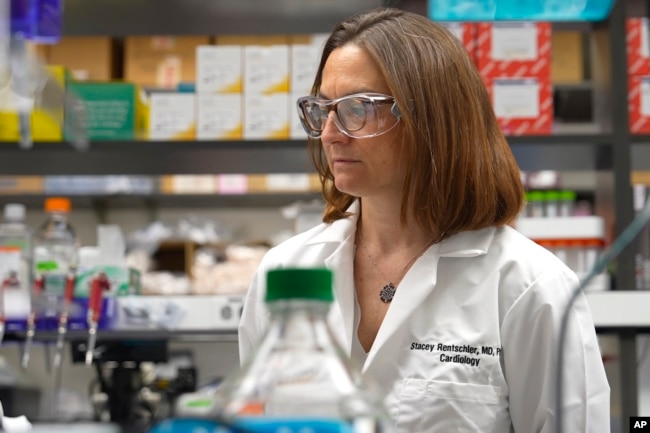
(514, 59)
(638, 69)
(244, 87)
(219, 92)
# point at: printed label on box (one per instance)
(517, 41)
(304, 64)
(172, 116)
(219, 68)
(232, 183)
(287, 182)
(516, 98)
(266, 69)
(266, 116)
(193, 184)
(219, 116)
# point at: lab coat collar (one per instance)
(467, 244)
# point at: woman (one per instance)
(444, 304)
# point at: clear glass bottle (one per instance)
(15, 247)
(56, 248)
(299, 379)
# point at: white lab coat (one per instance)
(469, 341)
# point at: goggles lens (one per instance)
(359, 116)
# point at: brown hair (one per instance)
(462, 174)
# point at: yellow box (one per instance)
(266, 69)
(172, 116)
(266, 116)
(219, 116)
(46, 125)
(219, 69)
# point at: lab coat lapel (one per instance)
(341, 318)
(421, 280)
(414, 287)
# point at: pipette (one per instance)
(99, 284)
(62, 328)
(39, 283)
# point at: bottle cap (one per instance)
(299, 283)
(57, 204)
(14, 212)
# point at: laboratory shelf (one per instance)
(545, 152)
(196, 17)
(157, 157)
(620, 310)
(170, 201)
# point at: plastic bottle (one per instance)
(567, 200)
(56, 248)
(15, 247)
(299, 379)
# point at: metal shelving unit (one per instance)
(608, 146)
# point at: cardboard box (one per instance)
(115, 110)
(219, 116)
(523, 106)
(296, 131)
(21, 185)
(266, 69)
(87, 57)
(188, 184)
(466, 33)
(172, 116)
(219, 69)
(567, 59)
(638, 46)
(514, 49)
(266, 116)
(304, 61)
(639, 104)
(161, 61)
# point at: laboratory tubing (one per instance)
(299, 378)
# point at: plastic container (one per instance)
(299, 379)
(15, 247)
(566, 203)
(56, 248)
(538, 10)
(535, 205)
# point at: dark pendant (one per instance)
(387, 293)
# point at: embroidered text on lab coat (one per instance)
(459, 352)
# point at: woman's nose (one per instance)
(331, 131)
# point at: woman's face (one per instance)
(362, 167)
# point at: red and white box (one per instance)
(638, 46)
(514, 49)
(523, 106)
(638, 97)
(466, 33)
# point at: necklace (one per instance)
(387, 293)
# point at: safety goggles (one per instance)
(361, 115)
